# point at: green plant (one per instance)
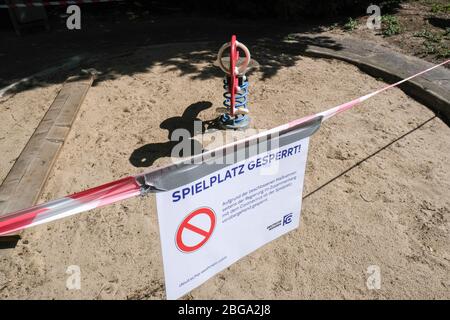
(351, 24)
(391, 26)
(429, 36)
(430, 48)
(444, 53)
(440, 8)
(434, 44)
(440, 50)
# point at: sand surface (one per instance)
(392, 210)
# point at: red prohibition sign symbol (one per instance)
(187, 225)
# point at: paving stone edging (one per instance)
(431, 89)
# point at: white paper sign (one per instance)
(211, 223)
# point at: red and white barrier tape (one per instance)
(32, 3)
(70, 205)
(130, 187)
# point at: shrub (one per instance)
(284, 9)
(391, 26)
(351, 24)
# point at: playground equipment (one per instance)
(236, 85)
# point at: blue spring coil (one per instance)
(240, 97)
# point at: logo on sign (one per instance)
(287, 219)
(195, 230)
